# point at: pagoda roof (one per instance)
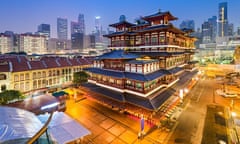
(175, 70)
(117, 54)
(120, 33)
(144, 77)
(141, 61)
(161, 27)
(122, 23)
(129, 75)
(160, 15)
(117, 74)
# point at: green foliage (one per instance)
(10, 95)
(80, 77)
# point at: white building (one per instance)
(6, 44)
(31, 43)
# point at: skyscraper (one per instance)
(62, 28)
(75, 28)
(222, 19)
(98, 30)
(213, 22)
(81, 23)
(44, 29)
(230, 29)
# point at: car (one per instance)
(231, 95)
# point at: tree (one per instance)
(10, 95)
(80, 77)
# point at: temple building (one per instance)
(144, 58)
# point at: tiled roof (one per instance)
(141, 61)
(176, 70)
(129, 75)
(16, 63)
(152, 54)
(157, 101)
(159, 14)
(120, 33)
(106, 72)
(118, 54)
(4, 66)
(36, 65)
(127, 24)
(142, 77)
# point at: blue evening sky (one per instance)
(23, 16)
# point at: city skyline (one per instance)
(15, 14)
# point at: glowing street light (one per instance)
(181, 95)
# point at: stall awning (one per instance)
(63, 128)
(59, 93)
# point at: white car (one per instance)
(227, 94)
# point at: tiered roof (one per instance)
(122, 24)
(118, 54)
(160, 15)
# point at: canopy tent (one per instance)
(16, 124)
(64, 129)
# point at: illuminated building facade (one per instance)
(145, 57)
(27, 74)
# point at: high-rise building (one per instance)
(209, 30)
(98, 30)
(187, 24)
(32, 43)
(213, 22)
(222, 19)
(62, 28)
(230, 29)
(238, 31)
(77, 41)
(81, 23)
(6, 43)
(44, 29)
(75, 27)
(56, 45)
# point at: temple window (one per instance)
(139, 86)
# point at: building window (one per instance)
(34, 84)
(39, 75)
(34, 75)
(58, 73)
(44, 74)
(3, 77)
(16, 78)
(21, 77)
(27, 76)
(16, 86)
(27, 86)
(49, 73)
(111, 80)
(139, 86)
(39, 84)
